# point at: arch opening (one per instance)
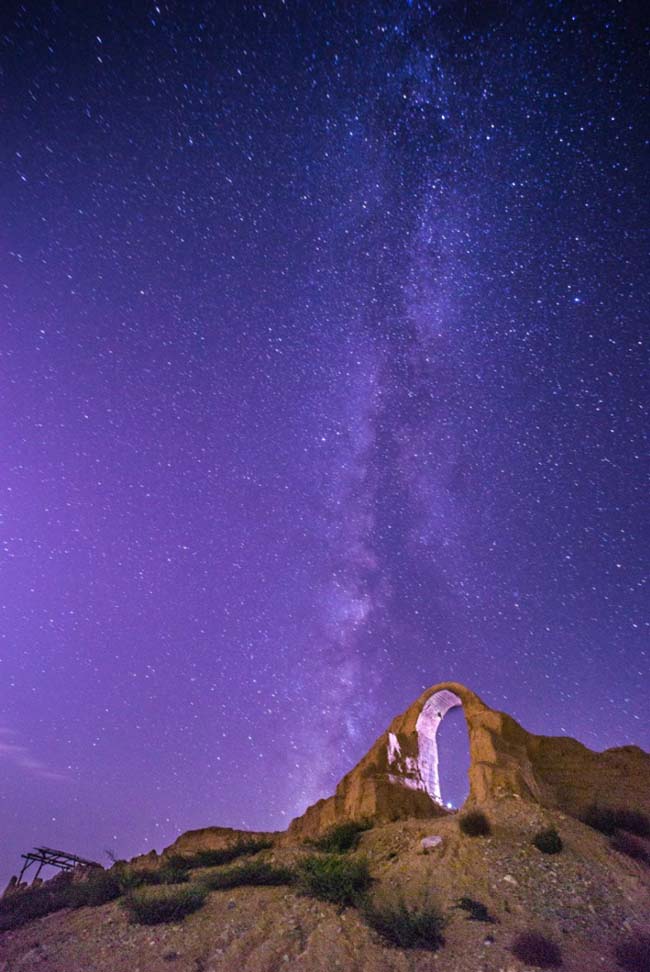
(444, 706)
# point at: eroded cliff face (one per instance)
(398, 777)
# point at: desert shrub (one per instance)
(132, 877)
(344, 837)
(548, 841)
(476, 910)
(610, 819)
(173, 871)
(23, 906)
(474, 823)
(533, 948)
(224, 855)
(258, 873)
(634, 954)
(404, 928)
(341, 880)
(154, 905)
(632, 846)
(61, 892)
(99, 888)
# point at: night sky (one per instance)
(322, 374)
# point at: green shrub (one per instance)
(173, 872)
(258, 873)
(132, 877)
(476, 910)
(629, 845)
(474, 823)
(341, 880)
(99, 888)
(548, 841)
(533, 948)
(610, 819)
(634, 954)
(402, 928)
(175, 869)
(154, 905)
(223, 855)
(344, 837)
(22, 906)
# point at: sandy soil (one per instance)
(586, 899)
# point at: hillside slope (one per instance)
(589, 901)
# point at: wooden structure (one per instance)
(44, 856)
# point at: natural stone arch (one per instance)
(398, 777)
(421, 771)
(428, 723)
(412, 748)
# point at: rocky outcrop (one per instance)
(398, 777)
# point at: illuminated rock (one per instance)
(430, 843)
(399, 776)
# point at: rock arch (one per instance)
(399, 777)
(421, 770)
(429, 722)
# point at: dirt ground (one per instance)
(587, 899)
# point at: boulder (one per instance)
(430, 843)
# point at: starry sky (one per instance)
(322, 371)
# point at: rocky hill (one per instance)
(516, 880)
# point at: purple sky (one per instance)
(322, 377)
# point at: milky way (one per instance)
(322, 380)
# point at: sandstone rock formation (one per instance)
(398, 777)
